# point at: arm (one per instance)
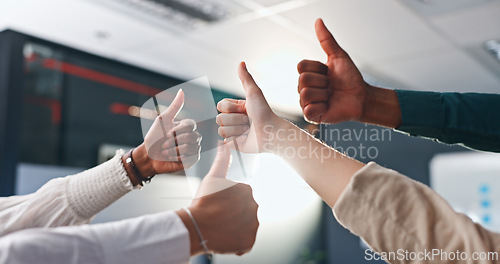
(336, 92)
(327, 171)
(392, 212)
(74, 200)
(470, 119)
(160, 238)
(225, 211)
(388, 210)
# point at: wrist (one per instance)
(381, 107)
(143, 162)
(277, 134)
(130, 174)
(195, 243)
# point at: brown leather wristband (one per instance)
(129, 163)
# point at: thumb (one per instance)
(328, 43)
(215, 180)
(175, 107)
(221, 163)
(252, 90)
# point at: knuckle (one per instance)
(243, 129)
(248, 191)
(303, 78)
(302, 65)
(305, 93)
(302, 62)
(306, 96)
(218, 119)
(190, 124)
(190, 121)
(251, 242)
(198, 136)
(256, 224)
(244, 119)
(221, 131)
(220, 105)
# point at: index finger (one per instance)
(232, 106)
(312, 66)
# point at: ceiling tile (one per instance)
(471, 26)
(433, 7)
(371, 29)
(450, 70)
(79, 24)
(271, 51)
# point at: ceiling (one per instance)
(435, 45)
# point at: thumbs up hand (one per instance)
(333, 92)
(225, 211)
(177, 150)
(250, 123)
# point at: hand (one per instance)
(224, 210)
(234, 121)
(178, 150)
(334, 92)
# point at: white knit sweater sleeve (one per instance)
(71, 200)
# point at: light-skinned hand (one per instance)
(179, 150)
(251, 123)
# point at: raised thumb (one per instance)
(221, 163)
(175, 107)
(252, 90)
(327, 41)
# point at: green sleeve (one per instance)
(469, 119)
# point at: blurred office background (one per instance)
(74, 72)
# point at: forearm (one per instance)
(159, 238)
(72, 200)
(195, 243)
(392, 212)
(326, 170)
(381, 107)
(467, 118)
